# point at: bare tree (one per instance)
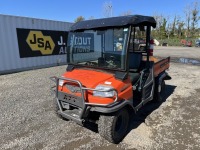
(195, 17)
(107, 9)
(173, 31)
(187, 12)
(168, 30)
(163, 31)
(180, 26)
(159, 20)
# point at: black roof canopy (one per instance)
(134, 20)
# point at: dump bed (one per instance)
(161, 66)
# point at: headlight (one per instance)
(61, 82)
(103, 94)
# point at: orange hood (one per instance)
(88, 78)
(92, 78)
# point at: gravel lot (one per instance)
(177, 52)
(27, 120)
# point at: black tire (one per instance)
(114, 127)
(159, 96)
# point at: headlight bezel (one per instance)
(61, 82)
(106, 91)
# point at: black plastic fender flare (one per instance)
(162, 76)
(114, 107)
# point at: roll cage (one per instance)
(130, 22)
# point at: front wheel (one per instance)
(114, 127)
(159, 92)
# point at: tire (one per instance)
(114, 127)
(159, 96)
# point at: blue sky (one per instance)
(68, 10)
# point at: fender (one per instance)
(162, 76)
(158, 81)
(114, 107)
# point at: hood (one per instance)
(88, 78)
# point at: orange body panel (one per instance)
(161, 66)
(154, 59)
(93, 78)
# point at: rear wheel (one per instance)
(114, 127)
(159, 92)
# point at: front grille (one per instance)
(73, 88)
(70, 98)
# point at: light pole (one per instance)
(110, 8)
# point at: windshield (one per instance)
(98, 48)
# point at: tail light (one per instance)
(151, 47)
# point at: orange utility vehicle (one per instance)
(107, 79)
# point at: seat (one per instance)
(134, 66)
(134, 61)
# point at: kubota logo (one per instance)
(38, 42)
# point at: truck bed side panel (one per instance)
(161, 66)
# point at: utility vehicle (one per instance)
(107, 79)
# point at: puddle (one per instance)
(183, 60)
(189, 61)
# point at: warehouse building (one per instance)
(30, 43)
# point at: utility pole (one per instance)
(110, 8)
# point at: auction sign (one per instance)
(33, 43)
(81, 42)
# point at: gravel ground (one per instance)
(27, 120)
(177, 52)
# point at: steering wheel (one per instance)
(111, 61)
(90, 63)
(112, 58)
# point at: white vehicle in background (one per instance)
(156, 42)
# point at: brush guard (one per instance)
(65, 100)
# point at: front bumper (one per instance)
(80, 107)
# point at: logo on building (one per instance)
(36, 42)
(39, 42)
